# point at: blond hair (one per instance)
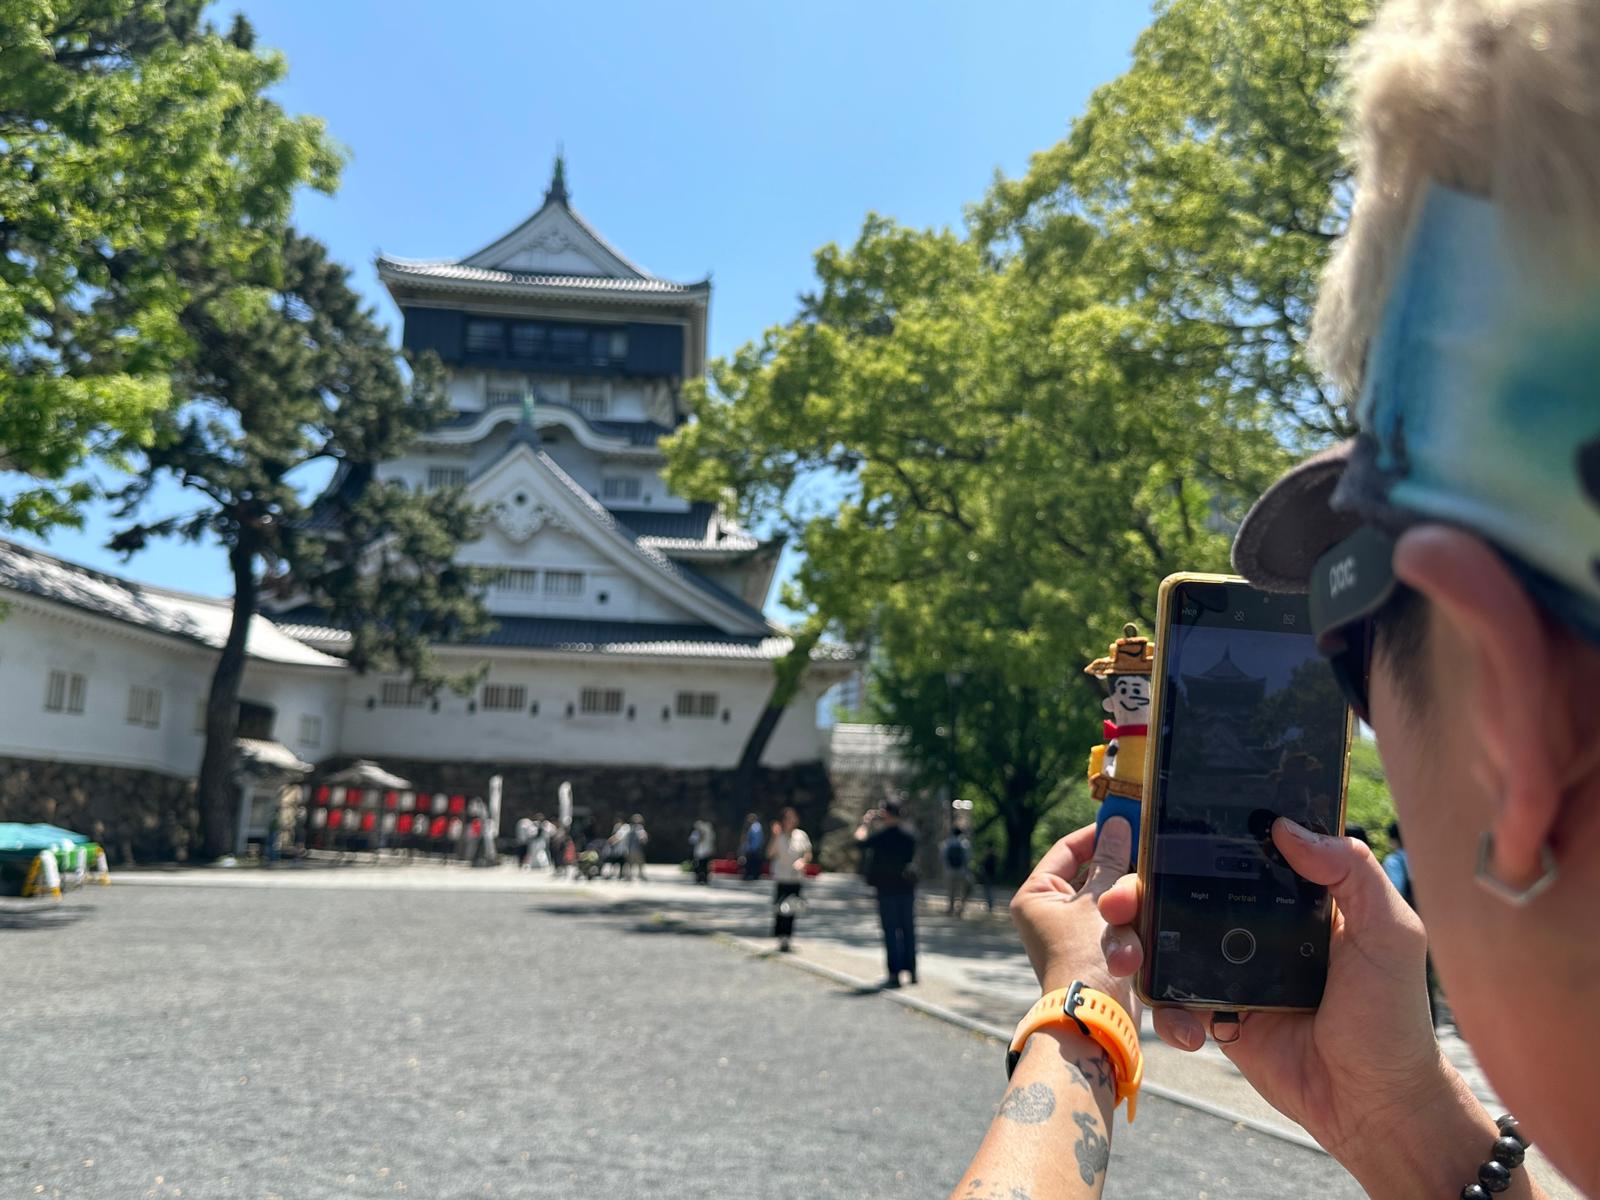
(1500, 98)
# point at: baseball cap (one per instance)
(1479, 407)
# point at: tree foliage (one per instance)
(128, 131)
(288, 369)
(1029, 422)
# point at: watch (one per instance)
(1102, 1020)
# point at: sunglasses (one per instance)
(1349, 585)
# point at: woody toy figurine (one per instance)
(1116, 769)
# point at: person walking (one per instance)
(790, 851)
(701, 844)
(889, 854)
(957, 855)
(526, 832)
(634, 840)
(753, 851)
(616, 851)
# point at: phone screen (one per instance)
(1252, 727)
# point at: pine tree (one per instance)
(287, 370)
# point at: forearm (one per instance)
(1435, 1153)
(1051, 1139)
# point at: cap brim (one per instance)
(1292, 525)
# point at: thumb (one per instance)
(1371, 908)
(1113, 850)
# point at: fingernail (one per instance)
(1225, 1023)
(1299, 831)
(1113, 944)
(1190, 1035)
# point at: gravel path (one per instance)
(305, 1043)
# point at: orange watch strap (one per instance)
(1098, 1017)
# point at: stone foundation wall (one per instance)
(854, 792)
(138, 816)
(670, 799)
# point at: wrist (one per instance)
(1431, 1145)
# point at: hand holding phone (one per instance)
(1248, 725)
(1367, 1057)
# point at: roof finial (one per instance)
(557, 191)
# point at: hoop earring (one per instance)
(1499, 888)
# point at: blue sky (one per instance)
(733, 137)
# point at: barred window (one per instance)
(485, 337)
(443, 477)
(506, 396)
(697, 704)
(397, 693)
(604, 702)
(65, 692)
(563, 583)
(527, 340)
(514, 579)
(504, 697)
(144, 706)
(620, 488)
(590, 399)
(310, 730)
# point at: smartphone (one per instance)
(1248, 725)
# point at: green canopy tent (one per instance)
(41, 860)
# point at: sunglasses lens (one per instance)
(1349, 653)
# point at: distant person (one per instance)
(701, 845)
(526, 832)
(790, 852)
(1359, 832)
(634, 840)
(1397, 866)
(957, 855)
(616, 852)
(989, 875)
(889, 855)
(753, 851)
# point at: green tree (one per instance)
(128, 131)
(1029, 422)
(288, 370)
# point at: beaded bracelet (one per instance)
(1507, 1152)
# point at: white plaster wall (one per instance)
(33, 642)
(456, 733)
(294, 693)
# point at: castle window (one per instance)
(602, 702)
(527, 340)
(620, 488)
(397, 693)
(445, 477)
(144, 706)
(310, 730)
(486, 337)
(502, 396)
(504, 697)
(697, 704)
(515, 579)
(65, 692)
(563, 584)
(569, 345)
(590, 400)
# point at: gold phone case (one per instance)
(1147, 824)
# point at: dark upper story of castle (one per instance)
(551, 297)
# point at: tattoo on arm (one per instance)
(1092, 1149)
(1096, 1071)
(995, 1192)
(1032, 1105)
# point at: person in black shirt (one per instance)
(889, 854)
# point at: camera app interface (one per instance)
(1253, 728)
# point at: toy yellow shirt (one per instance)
(1118, 765)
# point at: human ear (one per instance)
(1517, 705)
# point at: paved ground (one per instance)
(333, 1034)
